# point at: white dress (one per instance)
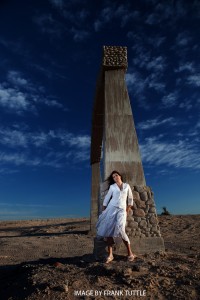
(112, 220)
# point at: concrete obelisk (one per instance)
(114, 146)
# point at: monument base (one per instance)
(138, 245)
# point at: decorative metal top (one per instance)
(115, 57)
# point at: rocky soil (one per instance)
(52, 260)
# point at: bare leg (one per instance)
(110, 249)
(110, 243)
(128, 247)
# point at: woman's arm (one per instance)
(107, 198)
(130, 196)
(130, 199)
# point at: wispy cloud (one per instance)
(183, 39)
(18, 95)
(169, 12)
(161, 13)
(15, 46)
(185, 66)
(79, 34)
(8, 171)
(55, 148)
(16, 78)
(13, 158)
(13, 99)
(194, 80)
(122, 13)
(48, 25)
(170, 100)
(58, 3)
(154, 81)
(13, 138)
(80, 141)
(186, 104)
(156, 64)
(180, 154)
(156, 41)
(135, 82)
(18, 138)
(149, 124)
(149, 69)
(138, 84)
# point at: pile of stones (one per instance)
(142, 220)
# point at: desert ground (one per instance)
(53, 259)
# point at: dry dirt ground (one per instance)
(52, 260)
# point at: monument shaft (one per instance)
(114, 146)
(121, 151)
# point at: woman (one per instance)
(112, 221)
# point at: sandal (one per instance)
(109, 259)
(131, 257)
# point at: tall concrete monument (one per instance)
(114, 146)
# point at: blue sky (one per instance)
(51, 52)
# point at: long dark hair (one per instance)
(110, 177)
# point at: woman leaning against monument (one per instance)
(111, 223)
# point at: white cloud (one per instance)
(156, 41)
(198, 124)
(58, 3)
(153, 66)
(43, 20)
(129, 16)
(149, 124)
(19, 138)
(16, 78)
(180, 154)
(153, 81)
(13, 99)
(121, 13)
(186, 104)
(186, 66)
(183, 39)
(55, 148)
(13, 158)
(194, 80)
(48, 25)
(170, 100)
(167, 12)
(13, 138)
(98, 25)
(18, 95)
(52, 103)
(8, 171)
(79, 141)
(79, 34)
(15, 46)
(142, 58)
(156, 64)
(81, 156)
(39, 139)
(135, 82)
(152, 19)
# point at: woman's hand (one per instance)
(128, 209)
